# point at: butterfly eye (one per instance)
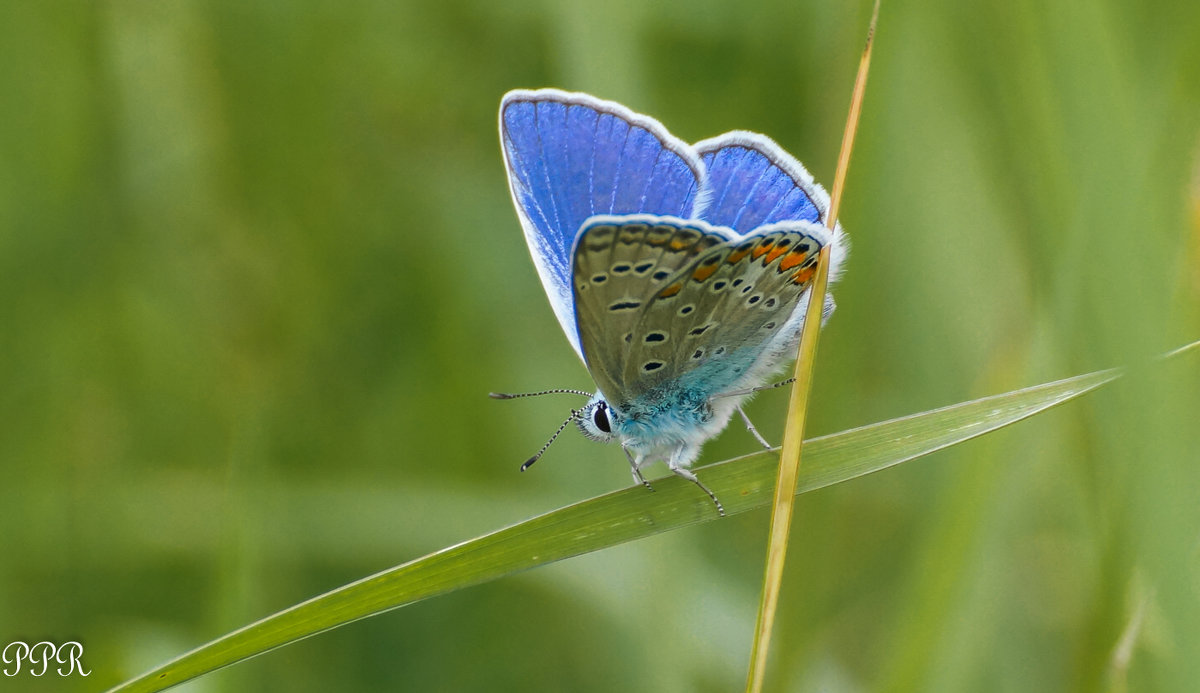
(600, 418)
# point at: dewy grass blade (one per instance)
(745, 483)
(789, 459)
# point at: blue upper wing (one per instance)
(573, 156)
(752, 182)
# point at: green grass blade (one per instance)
(743, 484)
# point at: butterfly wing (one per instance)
(621, 263)
(572, 156)
(695, 307)
(753, 182)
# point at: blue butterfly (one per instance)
(680, 273)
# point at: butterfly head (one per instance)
(597, 420)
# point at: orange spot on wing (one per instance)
(804, 275)
(793, 258)
(774, 254)
(737, 255)
(677, 244)
(671, 290)
(762, 248)
(703, 273)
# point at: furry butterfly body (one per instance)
(679, 273)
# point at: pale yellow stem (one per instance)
(793, 435)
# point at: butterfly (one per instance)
(680, 273)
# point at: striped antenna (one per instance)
(560, 391)
(529, 462)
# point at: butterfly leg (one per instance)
(684, 455)
(637, 473)
(750, 427)
(752, 390)
(691, 476)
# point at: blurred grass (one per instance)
(259, 269)
(627, 515)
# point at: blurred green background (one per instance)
(259, 269)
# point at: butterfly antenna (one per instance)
(561, 391)
(529, 462)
